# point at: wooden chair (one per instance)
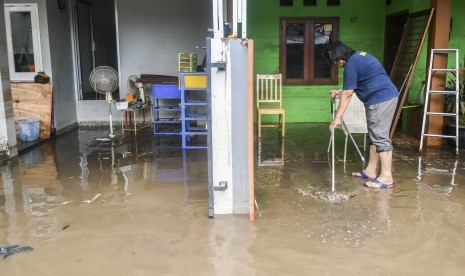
(270, 101)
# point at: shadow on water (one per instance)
(134, 205)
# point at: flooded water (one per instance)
(138, 206)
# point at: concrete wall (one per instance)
(7, 128)
(150, 37)
(152, 34)
(62, 73)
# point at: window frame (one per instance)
(309, 48)
(33, 10)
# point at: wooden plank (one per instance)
(250, 151)
(33, 100)
(401, 79)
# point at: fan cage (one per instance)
(131, 83)
(104, 79)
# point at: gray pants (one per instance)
(379, 120)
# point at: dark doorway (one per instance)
(395, 25)
(96, 43)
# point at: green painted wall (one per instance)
(457, 40)
(310, 103)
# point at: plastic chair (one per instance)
(355, 121)
(269, 101)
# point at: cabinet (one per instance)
(194, 109)
(182, 109)
(166, 102)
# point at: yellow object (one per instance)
(130, 97)
(270, 101)
(195, 81)
(187, 62)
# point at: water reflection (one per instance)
(271, 152)
(434, 176)
(230, 238)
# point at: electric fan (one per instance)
(136, 87)
(104, 80)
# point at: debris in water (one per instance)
(65, 226)
(103, 139)
(94, 198)
(10, 250)
(327, 195)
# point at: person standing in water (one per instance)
(364, 75)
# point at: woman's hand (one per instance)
(334, 123)
(335, 94)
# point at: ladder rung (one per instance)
(440, 114)
(444, 51)
(455, 94)
(443, 70)
(439, 135)
(443, 92)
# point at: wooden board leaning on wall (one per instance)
(33, 100)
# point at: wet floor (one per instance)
(89, 206)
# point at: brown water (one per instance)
(134, 207)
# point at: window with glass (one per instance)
(22, 31)
(302, 48)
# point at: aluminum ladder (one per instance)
(429, 92)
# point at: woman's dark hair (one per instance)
(336, 51)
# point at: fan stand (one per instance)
(109, 99)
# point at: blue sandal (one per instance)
(362, 175)
(381, 184)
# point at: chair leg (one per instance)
(329, 145)
(259, 126)
(345, 149)
(364, 143)
(283, 125)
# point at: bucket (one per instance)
(28, 129)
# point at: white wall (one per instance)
(152, 33)
(7, 128)
(61, 59)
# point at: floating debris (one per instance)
(103, 139)
(327, 196)
(65, 225)
(13, 249)
(94, 198)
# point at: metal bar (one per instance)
(333, 172)
(439, 135)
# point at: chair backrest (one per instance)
(269, 89)
(354, 116)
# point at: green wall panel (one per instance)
(362, 26)
(311, 103)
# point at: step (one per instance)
(441, 114)
(439, 135)
(443, 70)
(443, 92)
(444, 51)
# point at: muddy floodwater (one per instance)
(137, 205)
